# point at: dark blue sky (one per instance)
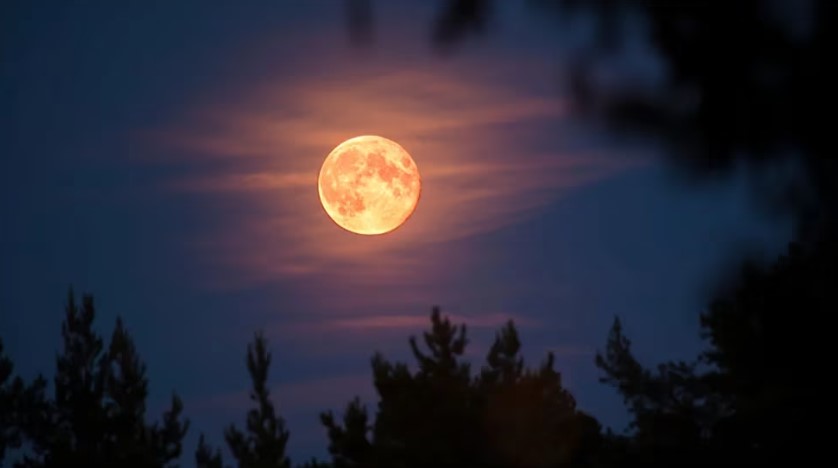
(163, 156)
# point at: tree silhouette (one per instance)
(747, 84)
(673, 408)
(205, 457)
(262, 444)
(440, 415)
(349, 444)
(97, 415)
(10, 395)
(757, 394)
(771, 342)
(21, 405)
(428, 417)
(530, 419)
(748, 400)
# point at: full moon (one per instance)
(369, 185)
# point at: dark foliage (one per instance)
(748, 81)
(672, 407)
(9, 401)
(757, 395)
(21, 407)
(96, 416)
(441, 415)
(206, 457)
(749, 400)
(349, 443)
(262, 443)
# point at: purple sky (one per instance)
(163, 156)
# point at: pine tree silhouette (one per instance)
(349, 444)
(97, 415)
(205, 457)
(756, 396)
(9, 400)
(440, 415)
(262, 444)
(531, 420)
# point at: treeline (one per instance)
(757, 396)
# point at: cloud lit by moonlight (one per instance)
(484, 157)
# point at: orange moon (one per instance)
(369, 185)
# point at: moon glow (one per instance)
(369, 185)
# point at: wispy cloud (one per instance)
(479, 145)
(414, 322)
(257, 181)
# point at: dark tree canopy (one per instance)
(262, 443)
(349, 443)
(757, 395)
(96, 415)
(206, 457)
(442, 415)
(428, 416)
(750, 399)
(671, 407)
(21, 406)
(9, 401)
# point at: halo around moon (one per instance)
(369, 185)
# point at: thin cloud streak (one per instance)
(416, 323)
(257, 181)
(475, 143)
(412, 104)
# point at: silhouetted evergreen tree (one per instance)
(262, 444)
(206, 457)
(504, 362)
(429, 417)
(530, 419)
(440, 415)
(673, 409)
(97, 415)
(349, 444)
(757, 395)
(9, 397)
(771, 343)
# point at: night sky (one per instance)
(163, 156)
